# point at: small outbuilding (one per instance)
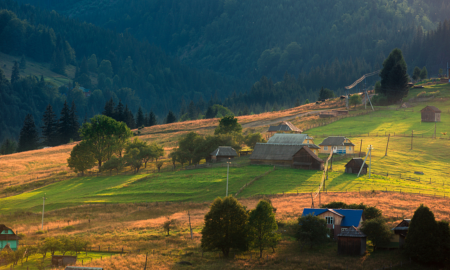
(352, 242)
(284, 127)
(354, 165)
(8, 237)
(431, 114)
(63, 260)
(223, 153)
(400, 232)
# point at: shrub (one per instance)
(312, 230)
(377, 231)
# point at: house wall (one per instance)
(12, 244)
(348, 149)
(431, 117)
(351, 245)
(337, 219)
(355, 170)
(272, 162)
(304, 157)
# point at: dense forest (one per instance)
(185, 57)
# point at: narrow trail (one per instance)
(265, 122)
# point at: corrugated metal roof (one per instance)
(352, 217)
(333, 140)
(224, 151)
(284, 126)
(352, 232)
(292, 139)
(266, 151)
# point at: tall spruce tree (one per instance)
(140, 120)
(74, 123)
(129, 118)
(119, 112)
(151, 119)
(29, 137)
(416, 73)
(15, 75)
(394, 79)
(170, 118)
(424, 73)
(49, 127)
(109, 108)
(64, 125)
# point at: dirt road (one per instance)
(265, 122)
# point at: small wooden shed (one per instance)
(354, 165)
(223, 153)
(400, 232)
(352, 242)
(431, 114)
(63, 260)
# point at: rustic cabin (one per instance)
(7, 236)
(400, 232)
(354, 165)
(338, 220)
(337, 144)
(284, 127)
(292, 155)
(431, 114)
(352, 242)
(223, 153)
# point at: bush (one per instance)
(377, 231)
(68, 228)
(312, 230)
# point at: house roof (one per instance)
(431, 109)
(224, 151)
(352, 232)
(402, 226)
(358, 162)
(336, 141)
(352, 217)
(284, 126)
(292, 139)
(12, 236)
(266, 151)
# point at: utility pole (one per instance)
(43, 209)
(412, 136)
(190, 227)
(370, 160)
(228, 170)
(360, 148)
(387, 144)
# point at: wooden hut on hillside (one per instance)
(223, 153)
(284, 126)
(352, 242)
(400, 232)
(354, 165)
(431, 114)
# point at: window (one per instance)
(330, 220)
(325, 148)
(307, 141)
(349, 148)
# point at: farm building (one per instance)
(296, 139)
(431, 114)
(223, 153)
(7, 236)
(352, 242)
(338, 220)
(400, 232)
(337, 144)
(284, 127)
(293, 155)
(354, 165)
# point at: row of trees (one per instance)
(229, 225)
(192, 147)
(106, 143)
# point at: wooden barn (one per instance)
(295, 139)
(284, 127)
(223, 153)
(431, 114)
(354, 165)
(352, 242)
(295, 156)
(7, 236)
(400, 232)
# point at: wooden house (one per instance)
(7, 236)
(400, 232)
(337, 144)
(338, 220)
(284, 127)
(295, 139)
(352, 242)
(431, 114)
(292, 155)
(354, 165)
(223, 153)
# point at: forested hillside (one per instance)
(254, 38)
(112, 66)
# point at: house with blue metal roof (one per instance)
(338, 220)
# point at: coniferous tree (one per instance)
(15, 75)
(8, 147)
(151, 119)
(129, 118)
(140, 120)
(210, 113)
(119, 112)
(170, 118)
(29, 137)
(109, 108)
(49, 127)
(192, 111)
(394, 79)
(23, 62)
(416, 73)
(64, 125)
(74, 124)
(424, 73)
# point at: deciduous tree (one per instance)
(377, 231)
(81, 158)
(262, 227)
(227, 125)
(312, 230)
